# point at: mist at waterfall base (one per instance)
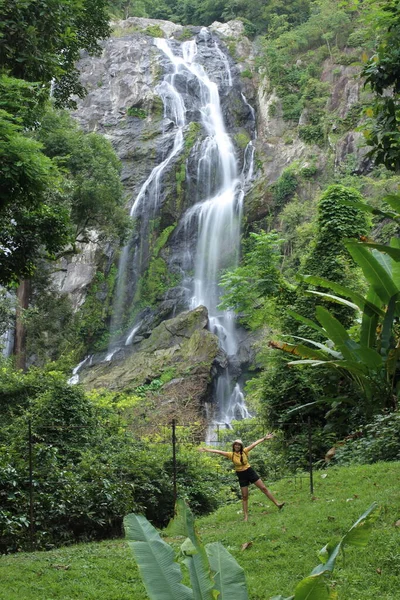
(191, 95)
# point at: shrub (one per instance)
(285, 187)
(311, 134)
(88, 469)
(134, 111)
(381, 441)
(154, 31)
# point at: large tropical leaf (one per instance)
(195, 554)
(393, 252)
(229, 576)
(392, 362)
(318, 345)
(307, 352)
(395, 243)
(394, 202)
(310, 362)
(387, 325)
(306, 321)
(384, 260)
(313, 587)
(161, 575)
(369, 357)
(297, 350)
(336, 332)
(388, 214)
(333, 298)
(358, 534)
(357, 298)
(200, 578)
(369, 322)
(374, 272)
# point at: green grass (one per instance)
(283, 548)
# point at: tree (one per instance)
(382, 73)
(40, 41)
(31, 223)
(249, 286)
(92, 188)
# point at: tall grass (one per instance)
(282, 549)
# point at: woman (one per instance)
(246, 474)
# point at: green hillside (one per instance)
(281, 546)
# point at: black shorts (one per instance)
(247, 476)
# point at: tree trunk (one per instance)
(23, 297)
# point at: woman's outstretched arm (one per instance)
(269, 436)
(226, 454)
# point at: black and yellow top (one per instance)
(235, 458)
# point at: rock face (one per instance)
(182, 348)
(134, 99)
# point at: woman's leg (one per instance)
(261, 485)
(245, 501)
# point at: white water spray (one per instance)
(218, 213)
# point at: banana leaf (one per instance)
(336, 332)
(391, 361)
(313, 587)
(395, 243)
(393, 252)
(370, 358)
(358, 534)
(310, 362)
(318, 345)
(333, 298)
(394, 201)
(161, 575)
(380, 280)
(388, 214)
(306, 321)
(297, 350)
(230, 579)
(357, 298)
(384, 260)
(387, 326)
(195, 554)
(369, 325)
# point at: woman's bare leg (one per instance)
(245, 502)
(261, 485)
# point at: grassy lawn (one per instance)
(283, 547)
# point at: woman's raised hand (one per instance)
(269, 436)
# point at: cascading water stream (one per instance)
(190, 94)
(218, 216)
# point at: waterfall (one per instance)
(196, 82)
(217, 213)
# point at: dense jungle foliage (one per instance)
(58, 184)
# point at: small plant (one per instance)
(272, 109)
(155, 31)
(186, 34)
(134, 111)
(284, 188)
(212, 569)
(308, 172)
(311, 134)
(246, 73)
